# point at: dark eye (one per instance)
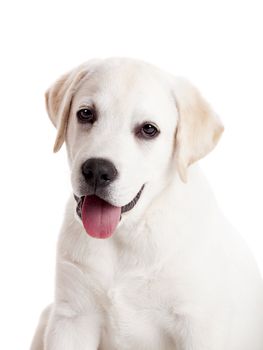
(86, 115)
(149, 130)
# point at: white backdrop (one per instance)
(216, 44)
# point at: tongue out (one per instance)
(99, 217)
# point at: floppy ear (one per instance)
(199, 128)
(58, 102)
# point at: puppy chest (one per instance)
(136, 316)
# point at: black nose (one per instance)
(98, 172)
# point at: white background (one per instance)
(216, 44)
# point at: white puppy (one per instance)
(168, 271)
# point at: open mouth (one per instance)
(99, 217)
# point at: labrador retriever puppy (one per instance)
(145, 259)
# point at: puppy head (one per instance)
(124, 122)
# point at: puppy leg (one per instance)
(75, 319)
(79, 332)
(38, 340)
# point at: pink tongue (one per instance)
(99, 217)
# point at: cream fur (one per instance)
(175, 275)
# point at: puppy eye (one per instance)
(86, 115)
(148, 131)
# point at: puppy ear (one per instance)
(199, 128)
(58, 102)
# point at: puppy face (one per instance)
(131, 122)
(127, 126)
